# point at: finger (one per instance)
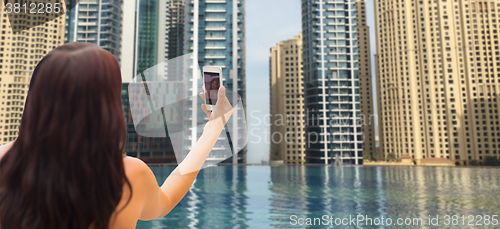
(222, 97)
(204, 108)
(222, 94)
(202, 95)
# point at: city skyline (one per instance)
(442, 147)
(286, 24)
(259, 17)
(378, 113)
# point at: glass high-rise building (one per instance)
(147, 36)
(337, 81)
(175, 27)
(214, 33)
(98, 22)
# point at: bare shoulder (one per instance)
(143, 181)
(5, 148)
(138, 173)
(135, 167)
(132, 205)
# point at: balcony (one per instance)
(88, 10)
(215, 57)
(215, 19)
(215, 29)
(94, 23)
(87, 31)
(215, 47)
(88, 17)
(215, 10)
(216, 1)
(215, 38)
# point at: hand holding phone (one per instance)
(223, 108)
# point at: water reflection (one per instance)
(266, 197)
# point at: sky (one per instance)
(267, 23)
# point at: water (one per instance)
(266, 197)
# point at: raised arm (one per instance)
(160, 201)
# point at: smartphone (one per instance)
(212, 77)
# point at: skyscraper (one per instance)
(146, 36)
(20, 52)
(98, 22)
(366, 100)
(287, 101)
(215, 35)
(175, 28)
(337, 81)
(438, 78)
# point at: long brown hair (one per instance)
(65, 170)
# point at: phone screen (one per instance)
(212, 84)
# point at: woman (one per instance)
(209, 96)
(67, 168)
(213, 91)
